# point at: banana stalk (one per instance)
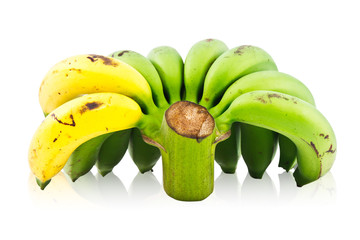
(91, 101)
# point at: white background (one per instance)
(315, 41)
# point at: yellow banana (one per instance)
(86, 96)
(75, 122)
(84, 74)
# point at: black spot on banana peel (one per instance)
(105, 60)
(90, 106)
(65, 123)
(122, 53)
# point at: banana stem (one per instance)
(188, 136)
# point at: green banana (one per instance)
(230, 66)
(149, 72)
(258, 147)
(228, 152)
(84, 157)
(144, 155)
(169, 65)
(292, 117)
(197, 63)
(287, 153)
(273, 81)
(112, 151)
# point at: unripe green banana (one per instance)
(197, 63)
(84, 157)
(112, 151)
(258, 147)
(144, 155)
(287, 153)
(228, 152)
(230, 66)
(169, 65)
(149, 72)
(273, 81)
(292, 117)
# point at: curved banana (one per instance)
(84, 157)
(144, 155)
(197, 63)
(112, 151)
(292, 117)
(147, 70)
(84, 74)
(230, 66)
(272, 81)
(169, 65)
(263, 80)
(75, 122)
(228, 152)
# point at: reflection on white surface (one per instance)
(144, 186)
(258, 191)
(227, 187)
(110, 191)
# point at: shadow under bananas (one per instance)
(109, 191)
(264, 191)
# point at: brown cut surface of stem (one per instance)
(190, 120)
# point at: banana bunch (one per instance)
(217, 105)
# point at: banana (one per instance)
(144, 155)
(147, 70)
(287, 153)
(112, 151)
(87, 98)
(292, 117)
(169, 65)
(84, 157)
(230, 66)
(197, 63)
(258, 147)
(264, 80)
(228, 152)
(75, 122)
(84, 74)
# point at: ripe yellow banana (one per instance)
(84, 74)
(86, 96)
(75, 122)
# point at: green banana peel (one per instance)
(294, 118)
(187, 112)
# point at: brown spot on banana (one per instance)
(65, 123)
(90, 106)
(261, 99)
(315, 149)
(122, 53)
(105, 60)
(240, 50)
(331, 150)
